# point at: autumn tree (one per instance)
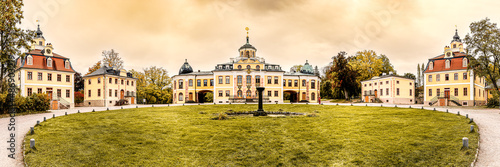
(112, 59)
(387, 67)
(344, 74)
(296, 68)
(369, 64)
(78, 82)
(153, 85)
(12, 38)
(483, 47)
(409, 75)
(95, 67)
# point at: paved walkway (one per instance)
(488, 121)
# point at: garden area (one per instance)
(193, 136)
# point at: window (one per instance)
(295, 83)
(303, 83)
(438, 77)
(386, 82)
(90, 93)
(110, 93)
(290, 83)
(49, 77)
(257, 67)
(228, 93)
(190, 82)
(181, 97)
(220, 79)
(447, 64)
(122, 81)
(240, 93)
(446, 77)
(198, 82)
(431, 66)
(59, 93)
(313, 84)
(381, 92)
(98, 92)
(456, 91)
(269, 93)
(240, 79)
(455, 76)
(181, 85)
(40, 91)
(116, 93)
(228, 80)
(59, 78)
(30, 75)
(175, 86)
(239, 67)
(465, 75)
(205, 82)
(410, 91)
(40, 76)
(249, 79)
(387, 91)
(430, 92)
(465, 91)
(90, 81)
(365, 85)
(110, 80)
(257, 80)
(411, 83)
(375, 84)
(313, 96)
(68, 93)
(30, 60)
(269, 80)
(212, 82)
(66, 64)
(248, 66)
(430, 78)
(438, 92)
(116, 81)
(369, 84)
(220, 93)
(397, 91)
(276, 80)
(30, 91)
(464, 62)
(132, 83)
(49, 62)
(275, 93)
(381, 83)
(284, 82)
(474, 91)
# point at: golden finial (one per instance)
(247, 30)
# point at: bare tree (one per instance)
(112, 59)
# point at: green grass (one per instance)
(24, 113)
(184, 136)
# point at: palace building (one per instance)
(448, 82)
(42, 71)
(390, 88)
(237, 80)
(108, 86)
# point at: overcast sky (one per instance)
(206, 32)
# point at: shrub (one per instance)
(220, 116)
(209, 97)
(79, 97)
(492, 102)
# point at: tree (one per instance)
(367, 63)
(344, 74)
(326, 90)
(152, 85)
(296, 68)
(409, 75)
(209, 97)
(387, 67)
(12, 38)
(112, 59)
(78, 82)
(418, 73)
(483, 46)
(422, 78)
(95, 67)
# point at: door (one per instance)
(249, 94)
(190, 96)
(122, 94)
(375, 93)
(303, 95)
(132, 100)
(366, 99)
(49, 93)
(447, 93)
(441, 102)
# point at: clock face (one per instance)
(48, 51)
(448, 54)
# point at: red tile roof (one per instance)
(439, 63)
(40, 62)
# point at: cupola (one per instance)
(247, 50)
(185, 68)
(307, 69)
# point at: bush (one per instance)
(209, 97)
(492, 102)
(79, 97)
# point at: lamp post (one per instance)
(260, 111)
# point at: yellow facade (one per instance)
(389, 89)
(107, 90)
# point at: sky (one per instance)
(164, 33)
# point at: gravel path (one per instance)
(488, 121)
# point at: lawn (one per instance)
(187, 136)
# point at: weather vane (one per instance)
(247, 30)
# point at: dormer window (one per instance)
(49, 62)
(454, 45)
(257, 67)
(29, 60)
(447, 64)
(431, 66)
(66, 64)
(248, 66)
(464, 62)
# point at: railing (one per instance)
(63, 102)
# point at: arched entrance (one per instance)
(290, 95)
(202, 94)
(249, 94)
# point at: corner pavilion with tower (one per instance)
(237, 81)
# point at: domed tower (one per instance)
(456, 45)
(307, 69)
(39, 43)
(247, 50)
(185, 68)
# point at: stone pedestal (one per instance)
(260, 111)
